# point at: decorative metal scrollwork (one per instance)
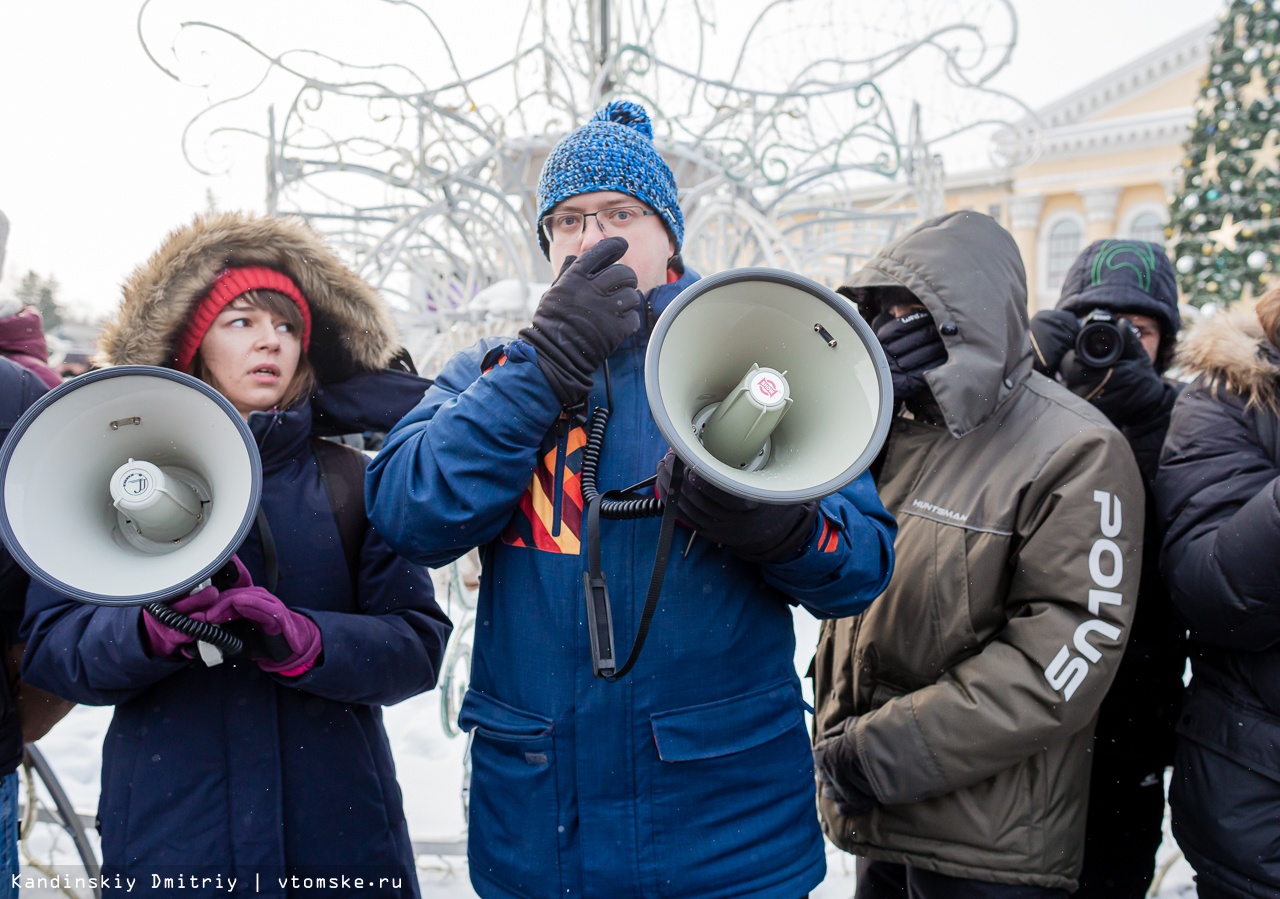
(778, 118)
(420, 166)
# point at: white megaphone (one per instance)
(769, 385)
(128, 486)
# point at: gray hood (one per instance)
(968, 272)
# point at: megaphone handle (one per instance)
(198, 630)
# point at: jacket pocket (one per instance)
(514, 817)
(1225, 789)
(733, 795)
(1247, 736)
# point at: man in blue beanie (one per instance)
(690, 774)
(1133, 282)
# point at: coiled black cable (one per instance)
(230, 644)
(617, 509)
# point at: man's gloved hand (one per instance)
(591, 308)
(274, 619)
(836, 765)
(1053, 335)
(913, 346)
(1128, 392)
(757, 532)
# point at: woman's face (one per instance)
(250, 356)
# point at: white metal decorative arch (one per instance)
(421, 169)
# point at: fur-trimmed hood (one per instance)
(1230, 350)
(352, 328)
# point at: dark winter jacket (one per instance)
(226, 769)
(1218, 492)
(1140, 712)
(22, 340)
(19, 389)
(974, 681)
(232, 769)
(1136, 723)
(691, 776)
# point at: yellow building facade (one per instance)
(1107, 165)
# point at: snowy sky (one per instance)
(91, 169)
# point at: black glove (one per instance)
(591, 308)
(913, 346)
(836, 765)
(1053, 335)
(1129, 392)
(757, 532)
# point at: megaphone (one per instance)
(769, 384)
(128, 486)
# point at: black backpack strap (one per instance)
(342, 474)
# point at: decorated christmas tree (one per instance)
(1223, 230)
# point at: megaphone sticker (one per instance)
(136, 482)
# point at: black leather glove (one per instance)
(1053, 335)
(757, 532)
(591, 308)
(840, 773)
(913, 346)
(1129, 392)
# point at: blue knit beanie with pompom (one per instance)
(613, 151)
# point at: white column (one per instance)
(1024, 225)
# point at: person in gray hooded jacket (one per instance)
(954, 717)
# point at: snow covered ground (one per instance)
(429, 764)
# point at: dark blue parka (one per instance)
(692, 776)
(227, 769)
(19, 389)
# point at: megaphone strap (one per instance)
(270, 557)
(665, 536)
(599, 612)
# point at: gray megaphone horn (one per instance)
(128, 486)
(769, 384)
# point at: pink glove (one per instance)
(275, 619)
(208, 605)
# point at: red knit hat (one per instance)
(234, 282)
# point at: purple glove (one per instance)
(275, 619)
(164, 642)
(203, 605)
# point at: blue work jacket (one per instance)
(690, 777)
(227, 770)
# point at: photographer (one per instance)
(1125, 294)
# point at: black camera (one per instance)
(1100, 342)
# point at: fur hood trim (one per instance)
(1231, 351)
(352, 326)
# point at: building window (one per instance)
(1147, 226)
(1066, 239)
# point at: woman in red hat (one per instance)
(274, 773)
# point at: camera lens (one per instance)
(1099, 343)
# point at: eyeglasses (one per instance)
(567, 227)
